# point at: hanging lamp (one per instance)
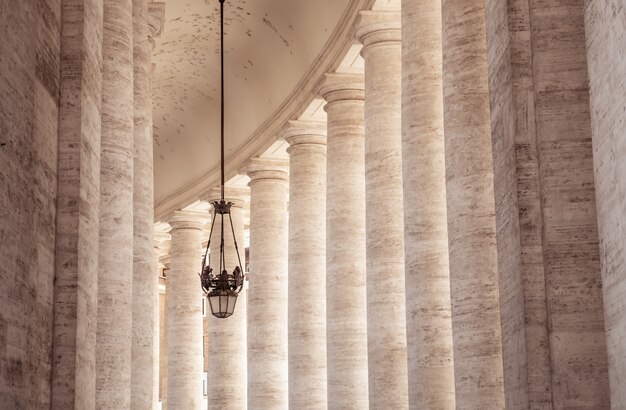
(223, 287)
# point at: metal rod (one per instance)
(222, 89)
(208, 246)
(235, 241)
(222, 258)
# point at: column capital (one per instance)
(342, 87)
(304, 132)
(239, 196)
(378, 28)
(188, 220)
(160, 237)
(266, 168)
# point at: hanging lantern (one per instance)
(223, 287)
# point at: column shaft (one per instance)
(606, 53)
(144, 281)
(429, 323)
(184, 316)
(77, 218)
(571, 248)
(114, 324)
(346, 302)
(539, 383)
(164, 298)
(508, 247)
(471, 208)
(386, 312)
(307, 265)
(267, 297)
(156, 345)
(227, 366)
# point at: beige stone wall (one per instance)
(605, 24)
(29, 109)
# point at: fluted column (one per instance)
(267, 294)
(115, 277)
(73, 383)
(227, 350)
(346, 302)
(471, 208)
(429, 323)
(144, 280)
(184, 316)
(606, 54)
(379, 31)
(307, 264)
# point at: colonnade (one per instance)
(104, 342)
(434, 244)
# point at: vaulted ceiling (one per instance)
(270, 47)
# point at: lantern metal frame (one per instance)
(222, 286)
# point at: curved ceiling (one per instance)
(270, 45)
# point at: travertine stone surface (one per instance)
(163, 343)
(184, 316)
(346, 302)
(115, 258)
(502, 115)
(227, 342)
(29, 114)
(605, 26)
(570, 236)
(267, 293)
(471, 209)
(307, 264)
(164, 245)
(429, 322)
(539, 384)
(379, 32)
(74, 346)
(156, 322)
(144, 281)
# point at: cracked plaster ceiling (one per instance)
(270, 44)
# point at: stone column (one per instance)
(307, 264)
(164, 297)
(227, 348)
(73, 382)
(156, 321)
(144, 281)
(115, 278)
(184, 316)
(606, 53)
(471, 208)
(267, 297)
(346, 302)
(161, 238)
(429, 323)
(379, 31)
